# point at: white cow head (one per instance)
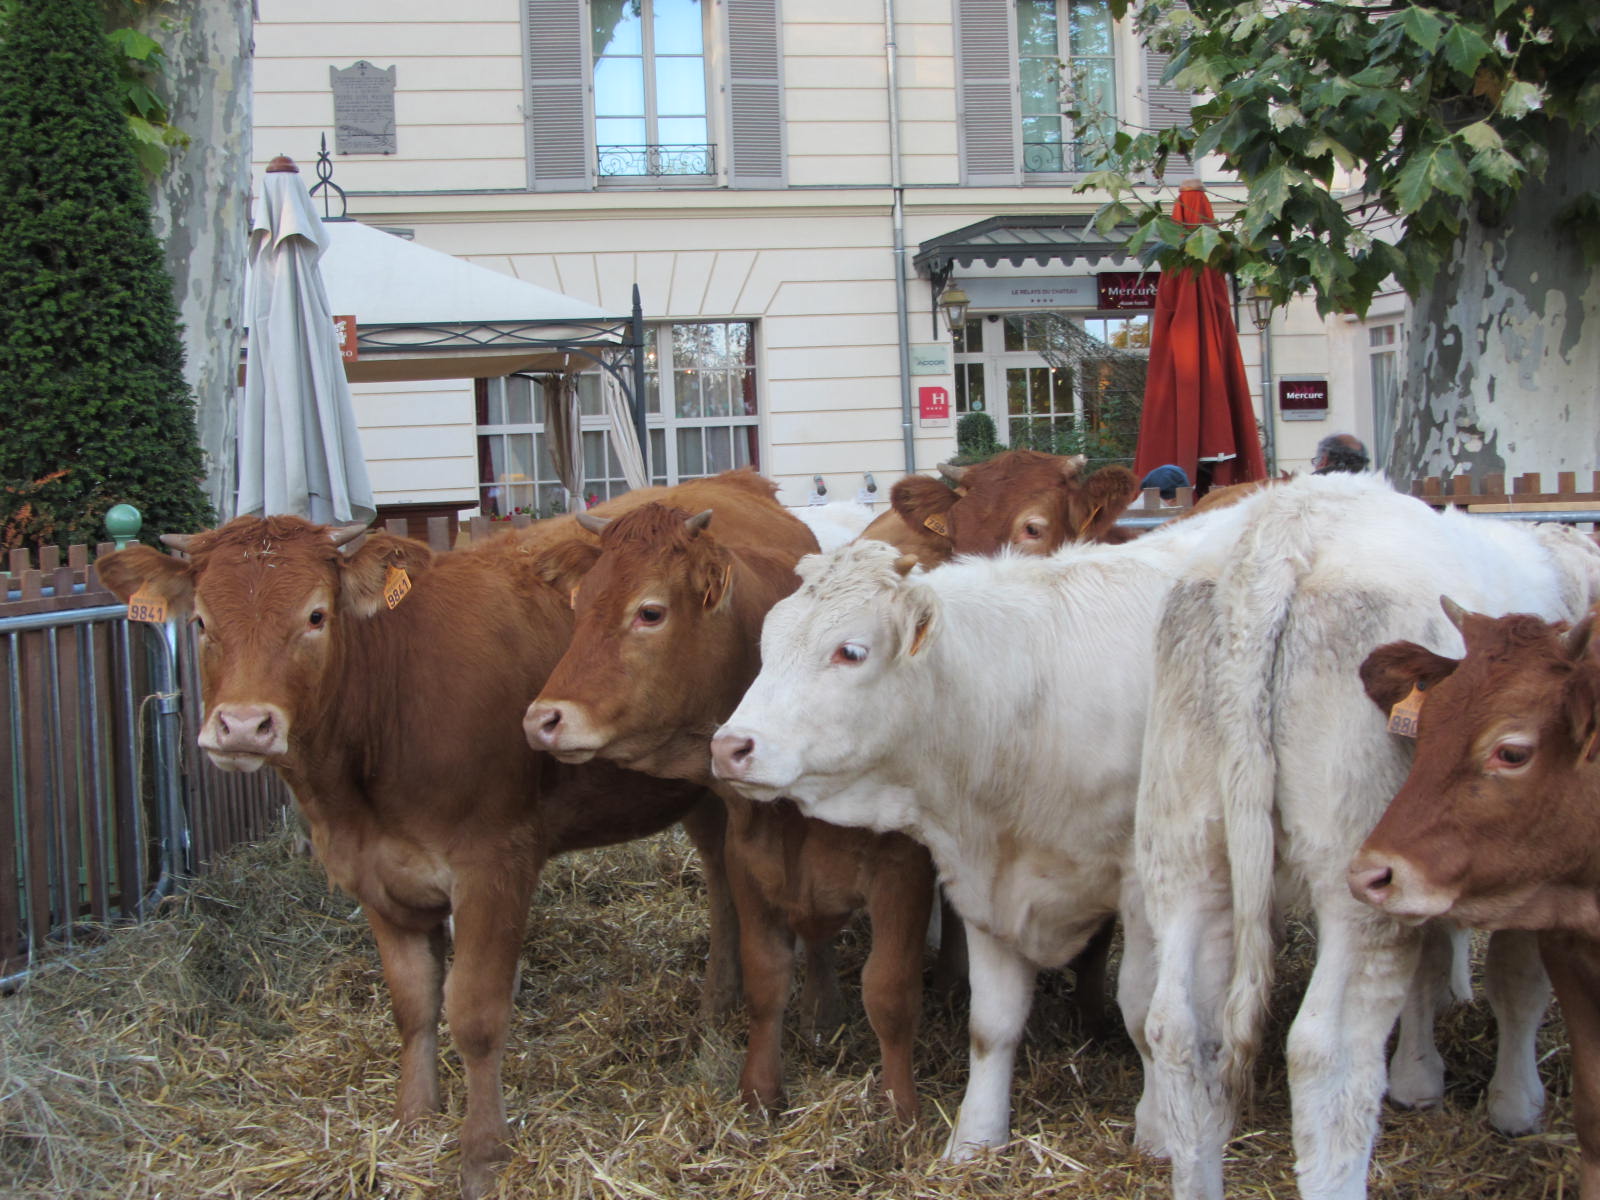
(842, 661)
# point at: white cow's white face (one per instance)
(821, 722)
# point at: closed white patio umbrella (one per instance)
(299, 449)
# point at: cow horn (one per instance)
(698, 522)
(593, 523)
(951, 472)
(178, 541)
(904, 563)
(1074, 464)
(1454, 611)
(341, 535)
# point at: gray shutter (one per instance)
(558, 88)
(986, 66)
(1166, 107)
(755, 95)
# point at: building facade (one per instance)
(777, 179)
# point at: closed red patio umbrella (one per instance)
(1197, 412)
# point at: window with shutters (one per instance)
(664, 93)
(1062, 43)
(649, 82)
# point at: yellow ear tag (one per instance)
(145, 605)
(395, 586)
(938, 524)
(1403, 716)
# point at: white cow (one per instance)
(1264, 759)
(994, 710)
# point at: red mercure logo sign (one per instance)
(1127, 289)
(346, 327)
(1302, 395)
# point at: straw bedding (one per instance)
(240, 1046)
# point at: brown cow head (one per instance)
(1498, 824)
(1029, 501)
(269, 597)
(656, 659)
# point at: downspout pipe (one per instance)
(898, 216)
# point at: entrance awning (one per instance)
(1040, 238)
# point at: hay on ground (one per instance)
(241, 1046)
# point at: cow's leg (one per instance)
(706, 824)
(1336, 1070)
(1192, 924)
(766, 946)
(1135, 986)
(1416, 1069)
(413, 967)
(1574, 966)
(821, 1000)
(899, 902)
(1002, 992)
(950, 964)
(490, 911)
(1519, 992)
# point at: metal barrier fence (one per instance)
(105, 806)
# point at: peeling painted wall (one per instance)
(201, 210)
(1504, 366)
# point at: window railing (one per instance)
(623, 161)
(1053, 157)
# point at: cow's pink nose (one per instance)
(542, 725)
(1371, 880)
(245, 728)
(731, 754)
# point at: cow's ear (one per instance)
(1581, 698)
(1101, 499)
(564, 564)
(712, 577)
(365, 571)
(126, 571)
(1390, 672)
(920, 613)
(923, 503)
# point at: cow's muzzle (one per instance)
(240, 737)
(560, 728)
(1393, 885)
(731, 755)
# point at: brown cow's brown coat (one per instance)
(398, 733)
(1498, 824)
(667, 640)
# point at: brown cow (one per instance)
(1498, 824)
(398, 732)
(1030, 501)
(667, 639)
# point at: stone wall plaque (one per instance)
(363, 109)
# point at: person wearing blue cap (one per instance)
(1167, 480)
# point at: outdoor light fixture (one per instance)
(955, 303)
(1260, 303)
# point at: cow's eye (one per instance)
(1033, 529)
(1509, 756)
(199, 623)
(316, 618)
(650, 615)
(850, 653)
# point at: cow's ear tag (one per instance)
(145, 605)
(938, 524)
(396, 583)
(1403, 716)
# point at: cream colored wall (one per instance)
(811, 264)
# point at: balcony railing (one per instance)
(624, 161)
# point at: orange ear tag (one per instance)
(395, 586)
(145, 605)
(1403, 716)
(938, 524)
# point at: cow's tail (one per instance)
(1254, 595)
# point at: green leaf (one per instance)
(1422, 26)
(130, 43)
(1110, 216)
(1496, 164)
(1464, 48)
(1521, 98)
(1481, 135)
(1203, 243)
(1429, 173)
(1287, 116)
(1322, 145)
